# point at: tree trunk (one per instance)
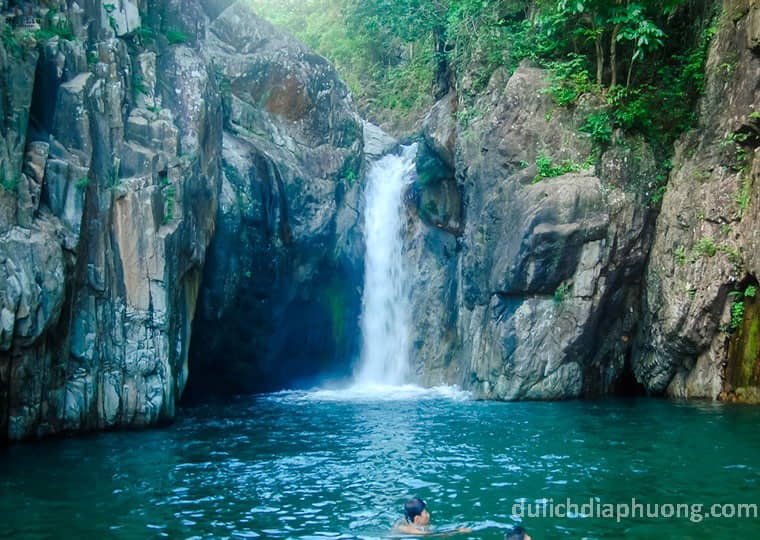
(598, 47)
(599, 60)
(613, 55)
(613, 47)
(630, 70)
(442, 76)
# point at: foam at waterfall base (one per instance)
(375, 393)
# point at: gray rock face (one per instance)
(104, 237)
(377, 143)
(706, 244)
(532, 293)
(281, 292)
(106, 214)
(439, 128)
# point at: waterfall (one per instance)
(385, 305)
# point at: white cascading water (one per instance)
(385, 305)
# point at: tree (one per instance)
(641, 32)
(623, 21)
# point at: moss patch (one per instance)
(336, 300)
(743, 368)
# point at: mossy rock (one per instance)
(743, 368)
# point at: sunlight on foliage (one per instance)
(395, 54)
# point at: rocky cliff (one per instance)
(529, 286)
(110, 160)
(125, 128)
(281, 292)
(699, 335)
(546, 288)
(181, 196)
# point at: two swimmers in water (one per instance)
(418, 523)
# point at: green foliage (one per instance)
(10, 43)
(484, 36)
(658, 194)
(385, 67)
(736, 140)
(548, 169)
(706, 246)
(63, 31)
(630, 108)
(82, 183)
(348, 172)
(738, 307)
(734, 257)
(680, 255)
(169, 196)
(598, 126)
(55, 24)
(93, 58)
(560, 293)
(390, 51)
(570, 79)
(175, 36)
(466, 114)
(737, 314)
(643, 34)
(109, 9)
(138, 84)
(661, 187)
(744, 193)
(17, 42)
(659, 94)
(143, 35)
(10, 184)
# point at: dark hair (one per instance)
(518, 533)
(413, 508)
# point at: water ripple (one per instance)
(310, 465)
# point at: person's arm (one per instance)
(410, 529)
(450, 533)
(460, 530)
(406, 529)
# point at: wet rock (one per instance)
(705, 252)
(377, 142)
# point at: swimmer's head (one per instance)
(415, 512)
(518, 533)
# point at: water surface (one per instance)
(297, 465)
